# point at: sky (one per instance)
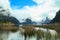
(36, 10)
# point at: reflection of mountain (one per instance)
(9, 19)
(57, 18)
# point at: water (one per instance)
(4, 35)
(18, 36)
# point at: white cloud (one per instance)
(5, 4)
(37, 13)
(39, 1)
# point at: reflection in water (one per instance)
(15, 36)
(41, 34)
(4, 35)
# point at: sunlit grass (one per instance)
(31, 32)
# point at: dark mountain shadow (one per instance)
(4, 18)
(27, 22)
(57, 18)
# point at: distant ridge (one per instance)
(9, 19)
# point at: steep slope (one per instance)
(57, 18)
(9, 19)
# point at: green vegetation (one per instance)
(8, 26)
(29, 32)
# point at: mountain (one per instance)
(27, 22)
(47, 21)
(57, 18)
(9, 19)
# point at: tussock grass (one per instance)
(8, 27)
(29, 31)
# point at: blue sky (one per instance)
(34, 9)
(22, 3)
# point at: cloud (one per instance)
(37, 13)
(5, 4)
(43, 9)
(39, 1)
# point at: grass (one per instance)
(30, 31)
(56, 26)
(8, 27)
